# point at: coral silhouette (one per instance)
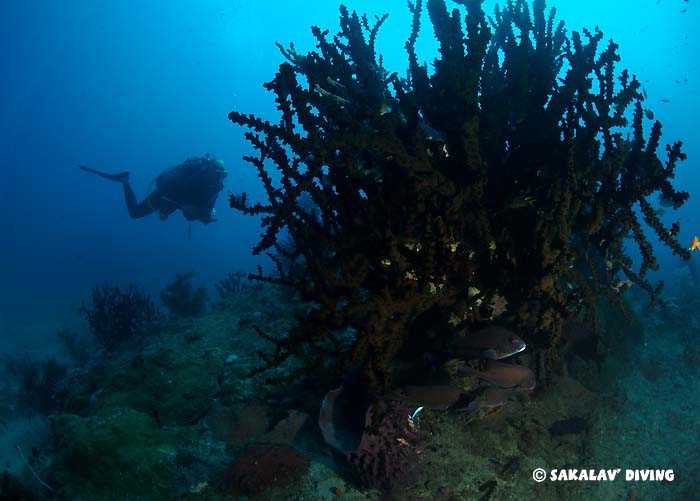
(182, 300)
(503, 176)
(116, 316)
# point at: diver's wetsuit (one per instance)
(191, 187)
(153, 202)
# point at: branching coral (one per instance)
(504, 172)
(182, 299)
(41, 386)
(116, 316)
(231, 285)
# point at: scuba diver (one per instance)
(191, 187)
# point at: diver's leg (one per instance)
(137, 210)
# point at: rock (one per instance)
(93, 454)
(175, 388)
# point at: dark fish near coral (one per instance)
(342, 417)
(508, 376)
(490, 399)
(487, 488)
(511, 467)
(520, 202)
(695, 245)
(649, 114)
(493, 343)
(570, 426)
(580, 340)
(665, 201)
(436, 397)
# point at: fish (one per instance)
(665, 201)
(489, 399)
(649, 114)
(665, 100)
(325, 421)
(621, 285)
(335, 83)
(570, 426)
(326, 93)
(415, 413)
(493, 343)
(438, 397)
(520, 202)
(504, 375)
(696, 244)
(579, 338)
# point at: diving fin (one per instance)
(122, 177)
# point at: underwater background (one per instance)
(142, 86)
